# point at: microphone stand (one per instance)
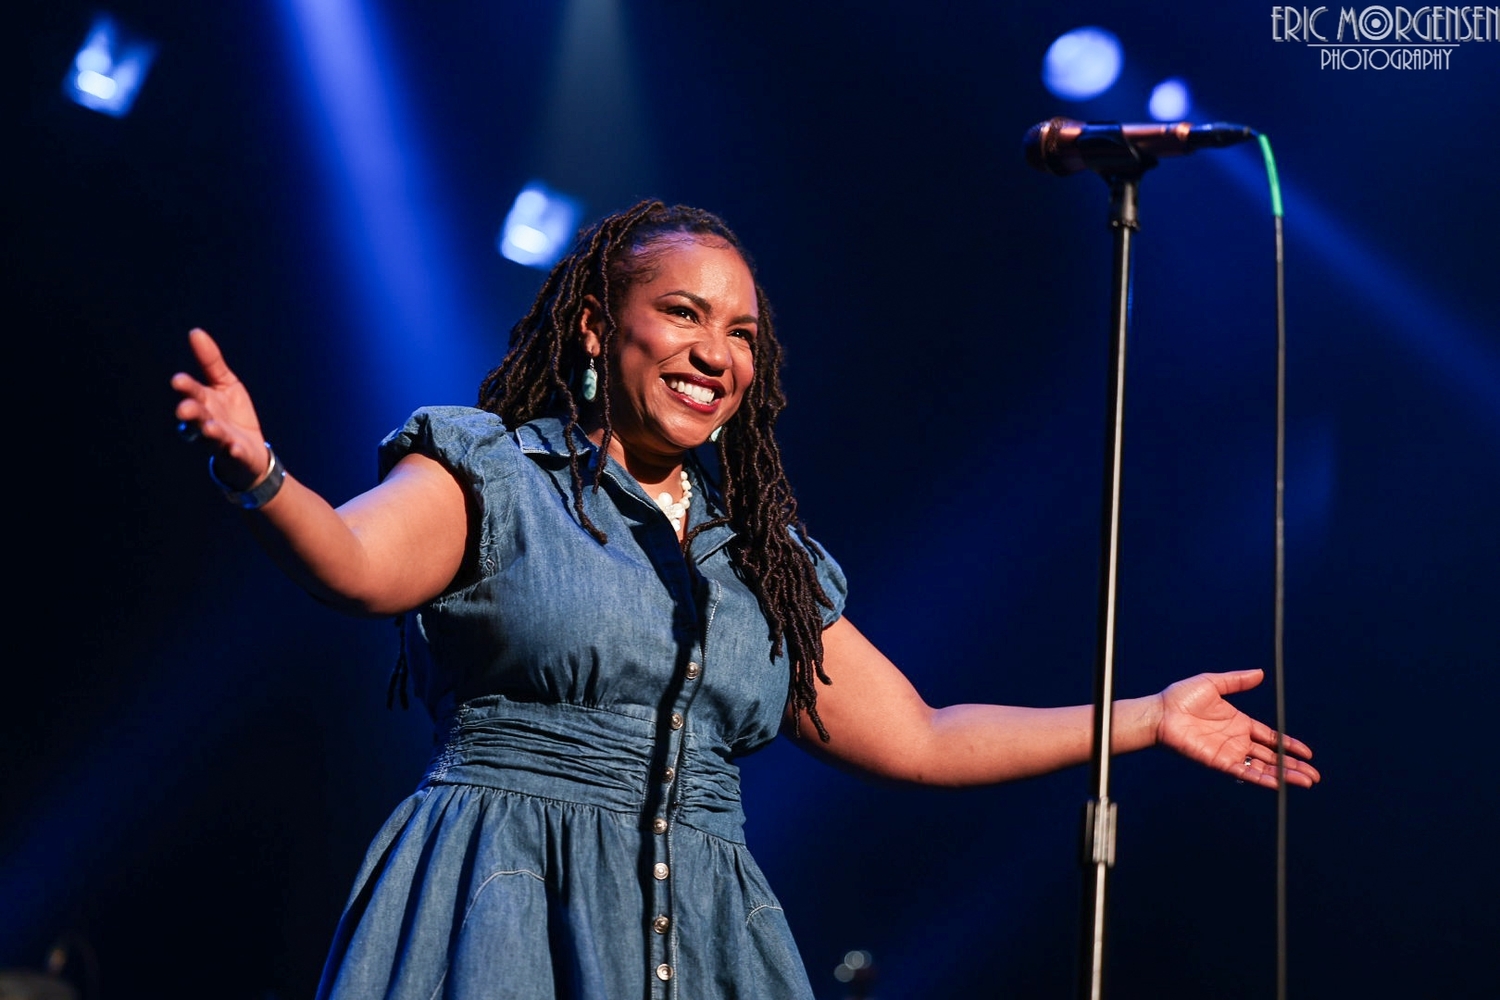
(1098, 854)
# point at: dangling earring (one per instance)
(590, 382)
(713, 435)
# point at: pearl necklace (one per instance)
(676, 510)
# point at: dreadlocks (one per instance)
(771, 548)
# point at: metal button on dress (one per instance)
(661, 925)
(668, 775)
(693, 670)
(658, 825)
(660, 871)
(663, 972)
(676, 720)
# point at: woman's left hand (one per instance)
(1198, 723)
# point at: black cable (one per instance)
(1278, 644)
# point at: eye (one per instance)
(746, 335)
(685, 312)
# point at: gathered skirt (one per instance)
(538, 860)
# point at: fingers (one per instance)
(1267, 755)
(1297, 747)
(1264, 738)
(1235, 681)
(192, 409)
(1202, 725)
(210, 358)
(1300, 772)
(1293, 748)
(195, 424)
(1259, 766)
(189, 387)
(1263, 773)
(1262, 753)
(194, 392)
(1260, 761)
(214, 408)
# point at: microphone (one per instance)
(1062, 146)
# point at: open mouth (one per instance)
(701, 395)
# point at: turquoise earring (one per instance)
(590, 382)
(713, 435)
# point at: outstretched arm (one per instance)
(385, 551)
(879, 724)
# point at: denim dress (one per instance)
(578, 833)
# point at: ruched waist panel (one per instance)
(603, 758)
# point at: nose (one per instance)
(710, 353)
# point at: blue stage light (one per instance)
(109, 69)
(538, 227)
(1170, 101)
(1083, 63)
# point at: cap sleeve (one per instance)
(474, 445)
(835, 585)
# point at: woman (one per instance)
(607, 596)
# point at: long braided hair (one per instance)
(771, 548)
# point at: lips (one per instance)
(701, 392)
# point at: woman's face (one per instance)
(683, 354)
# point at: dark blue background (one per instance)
(195, 753)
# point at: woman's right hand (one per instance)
(219, 410)
(386, 551)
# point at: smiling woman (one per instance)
(682, 355)
(596, 659)
(670, 293)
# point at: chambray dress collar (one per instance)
(544, 438)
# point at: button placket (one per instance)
(664, 938)
(663, 946)
(663, 957)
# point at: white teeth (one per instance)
(697, 393)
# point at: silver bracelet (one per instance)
(259, 494)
